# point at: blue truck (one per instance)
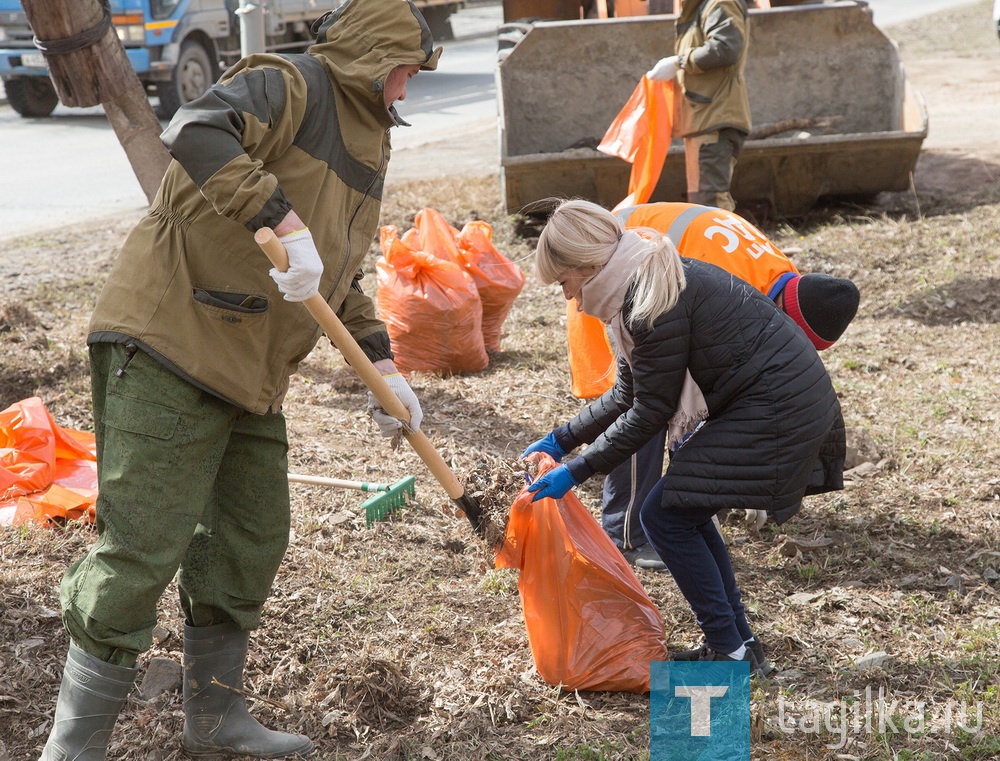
(177, 47)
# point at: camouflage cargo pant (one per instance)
(187, 482)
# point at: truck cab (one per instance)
(178, 48)
(22, 67)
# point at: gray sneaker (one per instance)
(644, 557)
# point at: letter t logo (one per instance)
(701, 706)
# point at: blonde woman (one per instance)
(697, 347)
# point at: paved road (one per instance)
(71, 168)
(62, 170)
(460, 92)
(889, 12)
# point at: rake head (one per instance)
(379, 506)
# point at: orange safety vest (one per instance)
(712, 235)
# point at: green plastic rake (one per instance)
(387, 498)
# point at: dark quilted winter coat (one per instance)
(774, 432)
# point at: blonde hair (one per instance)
(582, 234)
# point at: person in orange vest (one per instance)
(822, 305)
(695, 344)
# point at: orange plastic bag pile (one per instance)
(591, 625)
(431, 308)
(495, 279)
(47, 473)
(641, 135)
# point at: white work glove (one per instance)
(301, 279)
(389, 425)
(665, 69)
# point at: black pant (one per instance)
(696, 555)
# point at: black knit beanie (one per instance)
(822, 305)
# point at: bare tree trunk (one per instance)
(88, 66)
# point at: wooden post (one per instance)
(88, 66)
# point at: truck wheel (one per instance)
(193, 75)
(31, 96)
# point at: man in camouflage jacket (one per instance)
(192, 343)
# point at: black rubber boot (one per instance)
(91, 696)
(216, 720)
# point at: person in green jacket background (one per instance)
(192, 343)
(713, 111)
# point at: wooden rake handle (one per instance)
(358, 360)
(340, 483)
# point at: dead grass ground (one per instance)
(400, 641)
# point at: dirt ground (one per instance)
(950, 61)
(401, 641)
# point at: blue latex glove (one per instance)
(553, 484)
(548, 445)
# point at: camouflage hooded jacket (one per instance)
(712, 41)
(307, 131)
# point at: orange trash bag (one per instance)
(47, 472)
(431, 308)
(641, 135)
(591, 625)
(591, 359)
(497, 278)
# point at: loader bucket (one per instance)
(806, 62)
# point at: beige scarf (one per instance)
(603, 297)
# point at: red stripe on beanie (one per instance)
(795, 312)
